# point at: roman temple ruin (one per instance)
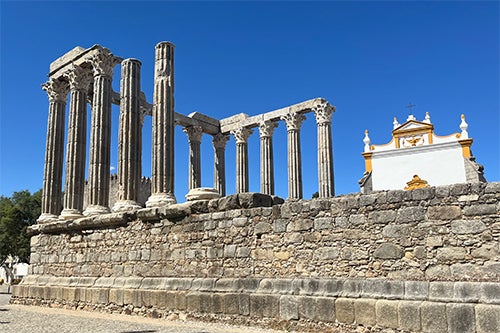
(420, 260)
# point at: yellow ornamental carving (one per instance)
(415, 183)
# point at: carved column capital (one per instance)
(57, 90)
(266, 128)
(220, 140)
(103, 63)
(79, 78)
(293, 120)
(242, 134)
(323, 113)
(194, 133)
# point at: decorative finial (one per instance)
(427, 118)
(395, 123)
(366, 141)
(410, 107)
(464, 126)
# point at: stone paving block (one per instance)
(217, 303)
(325, 309)
(146, 297)
(180, 300)
(433, 317)
(205, 302)
(99, 295)
(460, 318)
(289, 307)
(386, 313)
(487, 318)
(68, 293)
(244, 304)
(264, 306)
(55, 292)
(344, 310)
(364, 311)
(409, 315)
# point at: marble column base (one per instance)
(70, 214)
(161, 199)
(125, 206)
(96, 210)
(47, 218)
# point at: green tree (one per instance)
(16, 215)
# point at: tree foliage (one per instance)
(16, 214)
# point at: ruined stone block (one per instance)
(433, 317)
(416, 290)
(264, 306)
(409, 315)
(441, 291)
(460, 318)
(386, 313)
(344, 310)
(388, 251)
(289, 307)
(487, 318)
(364, 311)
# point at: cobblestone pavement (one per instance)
(34, 319)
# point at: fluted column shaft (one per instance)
(219, 142)
(293, 122)
(129, 144)
(266, 130)
(241, 135)
(323, 115)
(79, 80)
(100, 135)
(57, 92)
(162, 187)
(194, 134)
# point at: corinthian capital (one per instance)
(194, 133)
(242, 134)
(57, 90)
(266, 128)
(220, 140)
(79, 78)
(103, 63)
(323, 113)
(293, 120)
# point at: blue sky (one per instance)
(369, 59)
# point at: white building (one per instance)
(416, 157)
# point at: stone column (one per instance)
(241, 135)
(129, 144)
(57, 91)
(79, 80)
(293, 122)
(162, 187)
(323, 113)
(100, 134)
(219, 143)
(266, 130)
(194, 134)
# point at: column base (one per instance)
(125, 206)
(161, 199)
(70, 214)
(96, 210)
(47, 218)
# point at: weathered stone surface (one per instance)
(252, 199)
(450, 253)
(364, 311)
(433, 317)
(386, 313)
(344, 310)
(462, 227)
(460, 318)
(382, 216)
(487, 318)
(409, 315)
(289, 307)
(389, 251)
(410, 214)
(444, 213)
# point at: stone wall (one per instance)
(375, 259)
